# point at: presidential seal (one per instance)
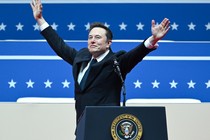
(126, 127)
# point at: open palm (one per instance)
(160, 30)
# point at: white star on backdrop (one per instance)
(48, 84)
(208, 26)
(12, 84)
(30, 84)
(71, 26)
(54, 26)
(155, 84)
(137, 84)
(173, 84)
(174, 26)
(87, 26)
(123, 26)
(2, 27)
(107, 25)
(191, 84)
(36, 27)
(140, 26)
(19, 26)
(208, 84)
(191, 26)
(65, 84)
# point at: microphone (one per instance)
(116, 64)
(117, 69)
(114, 56)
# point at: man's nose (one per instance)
(93, 40)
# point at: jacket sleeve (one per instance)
(130, 59)
(62, 49)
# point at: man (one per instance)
(103, 85)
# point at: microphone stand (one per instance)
(117, 68)
(124, 92)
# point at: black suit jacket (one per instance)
(103, 86)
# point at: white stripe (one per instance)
(181, 58)
(108, 1)
(119, 41)
(168, 58)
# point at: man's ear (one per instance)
(110, 42)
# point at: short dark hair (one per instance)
(109, 34)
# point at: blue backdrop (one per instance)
(178, 69)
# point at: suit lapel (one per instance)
(94, 71)
(97, 68)
(80, 62)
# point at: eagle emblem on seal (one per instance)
(126, 127)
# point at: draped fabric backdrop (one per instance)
(179, 68)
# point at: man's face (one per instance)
(97, 41)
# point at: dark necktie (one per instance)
(84, 78)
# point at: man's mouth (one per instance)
(93, 46)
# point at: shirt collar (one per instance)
(101, 57)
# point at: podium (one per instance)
(100, 122)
